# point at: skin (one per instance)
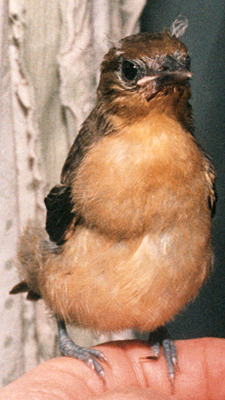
(129, 376)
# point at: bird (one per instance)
(127, 241)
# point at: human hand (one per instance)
(129, 376)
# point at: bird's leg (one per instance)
(161, 337)
(90, 356)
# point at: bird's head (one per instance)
(145, 71)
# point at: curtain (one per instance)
(50, 57)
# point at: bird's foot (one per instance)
(90, 356)
(159, 338)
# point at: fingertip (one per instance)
(131, 394)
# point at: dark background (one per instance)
(205, 39)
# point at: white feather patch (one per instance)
(179, 26)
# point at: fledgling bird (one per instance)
(130, 222)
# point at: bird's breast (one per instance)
(144, 247)
(143, 177)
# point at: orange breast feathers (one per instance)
(141, 179)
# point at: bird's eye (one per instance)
(188, 62)
(129, 70)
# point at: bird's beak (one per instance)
(165, 77)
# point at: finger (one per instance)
(131, 394)
(201, 376)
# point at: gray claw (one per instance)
(89, 356)
(161, 337)
(155, 351)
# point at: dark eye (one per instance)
(129, 70)
(188, 62)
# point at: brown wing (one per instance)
(60, 217)
(59, 213)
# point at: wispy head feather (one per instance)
(179, 26)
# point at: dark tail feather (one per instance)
(22, 287)
(19, 288)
